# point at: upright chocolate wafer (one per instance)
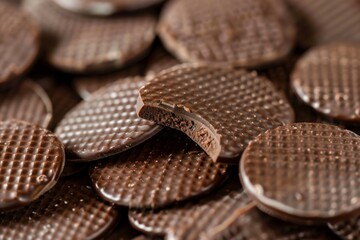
(77, 43)
(19, 44)
(246, 33)
(222, 109)
(106, 123)
(166, 169)
(304, 172)
(31, 161)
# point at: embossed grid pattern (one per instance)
(31, 160)
(151, 175)
(69, 211)
(160, 60)
(106, 123)
(305, 170)
(27, 102)
(238, 104)
(86, 86)
(19, 42)
(241, 32)
(328, 79)
(349, 230)
(324, 21)
(79, 43)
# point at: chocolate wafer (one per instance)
(106, 123)
(31, 161)
(246, 33)
(327, 78)
(19, 44)
(27, 102)
(168, 168)
(105, 7)
(220, 108)
(304, 172)
(70, 210)
(76, 43)
(347, 230)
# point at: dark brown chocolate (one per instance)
(247, 33)
(159, 60)
(221, 109)
(166, 169)
(347, 230)
(31, 161)
(304, 172)
(106, 123)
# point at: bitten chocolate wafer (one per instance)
(246, 33)
(76, 43)
(106, 123)
(27, 102)
(105, 7)
(220, 108)
(166, 169)
(327, 78)
(70, 210)
(19, 45)
(31, 161)
(304, 172)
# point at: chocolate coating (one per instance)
(106, 123)
(168, 168)
(76, 43)
(221, 109)
(347, 230)
(304, 172)
(246, 33)
(31, 161)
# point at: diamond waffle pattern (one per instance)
(247, 33)
(328, 79)
(348, 230)
(305, 171)
(237, 104)
(78, 43)
(106, 123)
(69, 211)
(169, 168)
(19, 42)
(31, 160)
(28, 102)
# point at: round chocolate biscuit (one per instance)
(26, 102)
(71, 210)
(31, 161)
(328, 79)
(87, 85)
(77, 43)
(19, 44)
(347, 230)
(322, 21)
(168, 168)
(159, 60)
(247, 33)
(304, 172)
(105, 7)
(221, 109)
(106, 123)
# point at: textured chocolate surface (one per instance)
(305, 172)
(245, 33)
(105, 7)
(347, 230)
(328, 79)
(19, 44)
(27, 102)
(166, 169)
(70, 210)
(106, 123)
(159, 60)
(77, 43)
(221, 109)
(31, 161)
(85, 86)
(324, 21)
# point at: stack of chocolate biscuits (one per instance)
(180, 119)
